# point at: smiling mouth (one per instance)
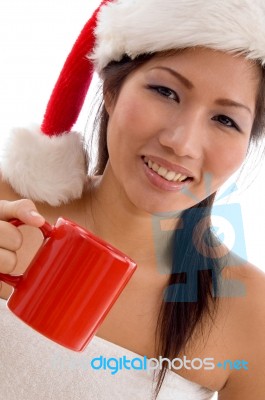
(170, 176)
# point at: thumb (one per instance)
(24, 209)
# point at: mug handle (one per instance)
(46, 230)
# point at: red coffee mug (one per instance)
(70, 285)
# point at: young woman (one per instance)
(183, 103)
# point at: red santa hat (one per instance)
(48, 164)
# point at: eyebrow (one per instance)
(189, 85)
(232, 103)
(177, 75)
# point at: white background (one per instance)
(36, 37)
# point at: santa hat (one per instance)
(48, 163)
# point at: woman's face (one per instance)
(186, 115)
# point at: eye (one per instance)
(224, 120)
(165, 92)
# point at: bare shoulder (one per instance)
(6, 191)
(9, 194)
(74, 210)
(247, 324)
(243, 280)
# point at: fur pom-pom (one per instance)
(43, 168)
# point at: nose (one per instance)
(184, 136)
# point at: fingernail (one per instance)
(35, 214)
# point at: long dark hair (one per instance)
(192, 291)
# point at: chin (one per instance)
(153, 208)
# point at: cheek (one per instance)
(125, 129)
(125, 112)
(227, 159)
(133, 117)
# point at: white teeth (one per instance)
(155, 167)
(168, 175)
(183, 178)
(177, 177)
(162, 171)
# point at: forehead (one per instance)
(206, 66)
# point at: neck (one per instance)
(140, 235)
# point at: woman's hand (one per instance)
(11, 238)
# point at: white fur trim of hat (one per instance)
(135, 27)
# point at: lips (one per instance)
(167, 170)
(171, 181)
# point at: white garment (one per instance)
(34, 368)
